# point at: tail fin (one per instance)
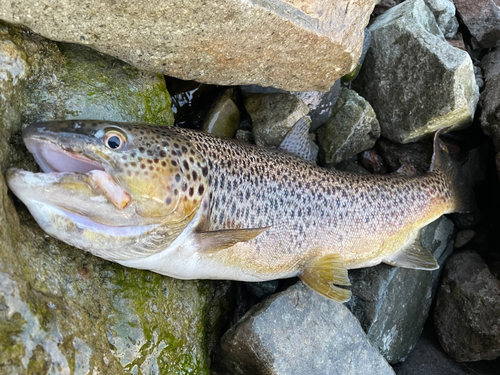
(442, 162)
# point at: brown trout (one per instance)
(192, 206)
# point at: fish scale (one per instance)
(190, 205)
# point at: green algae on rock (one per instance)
(63, 311)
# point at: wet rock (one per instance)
(298, 332)
(352, 128)
(372, 161)
(320, 103)
(223, 117)
(191, 101)
(467, 305)
(417, 154)
(482, 19)
(392, 303)
(273, 115)
(444, 12)
(410, 60)
(63, 310)
(231, 42)
(490, 97)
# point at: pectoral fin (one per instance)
(415, 257)
(322, 272)
(213, 241)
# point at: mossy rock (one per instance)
(63, 310)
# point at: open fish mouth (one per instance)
(54, 158)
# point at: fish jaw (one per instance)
(67, 207)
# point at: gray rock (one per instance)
(467, 309)
(482, 19)
(273, 115)
(416, 82)
(223, 116)
(298, 332)
(62, 310)
(490, 97)
(428, 358)
(295, 45)
(320, 103)
(392, 303)
(352, 128)
(444, 11)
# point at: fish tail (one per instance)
(442, 162)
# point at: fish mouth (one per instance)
(53, 158)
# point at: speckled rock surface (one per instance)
(298, 332)
(392, 303)
(416, 82)
(352, 128)
(273, 115)
(444, 11)
(482, 19)
(467, 309)
(294, 45)
(63, 311)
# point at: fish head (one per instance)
(108, 184)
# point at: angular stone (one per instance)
(223, 116)
(294, 45)
(428, 358)
(490, 97)
(444, 11)
(392, 303)
(298, 332)
(467, 309)
(273, 115)
(416, 82)
(352, 128)
(482, 19)
(63, 310)
(320, 103)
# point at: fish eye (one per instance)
(114, 140)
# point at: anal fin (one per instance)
(321, 273)
(213, 241)
(415, 257)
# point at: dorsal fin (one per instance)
(213, 241)
(297, 140)
(321, 273)
(414, 257)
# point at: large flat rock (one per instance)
(294, 45)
